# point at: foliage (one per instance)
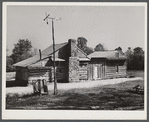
(21, 51)
(99, 47)
(88, 50)
(82, 44)
(9, 62)
(135, 59)
(138, 51)
(120, 50)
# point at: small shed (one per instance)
(107, 64)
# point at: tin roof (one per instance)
(84, 59)
(45, 53)
(110, 55)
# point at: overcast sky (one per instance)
(111, 26)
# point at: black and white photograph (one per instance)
(74, 60)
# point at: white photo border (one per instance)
(69, 114)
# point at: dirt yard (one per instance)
(119, 96)
(111, 94)
(67, 86)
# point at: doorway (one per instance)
(97, 72)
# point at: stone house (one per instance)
(72, 64)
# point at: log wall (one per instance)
(60, 74)
(106, 69)
(83, 73)
(35, 74)
(115, 70)
(25, 76)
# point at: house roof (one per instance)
(49, 50)
(81, 50)
(110, 55)
(84, 59)
(45, 54)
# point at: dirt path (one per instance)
(67, 86)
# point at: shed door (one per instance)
(95, 72)
(99, 71)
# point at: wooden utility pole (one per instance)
(55, 80)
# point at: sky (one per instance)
(112, 26)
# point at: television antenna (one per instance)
(53, 19)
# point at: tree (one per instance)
(129, 55)
(82, 44)
(119, 49)
(128, 52)
(88, 50)
(9, 63)
(99, 47)
(21, 51)
(135, 59)
(138, 51)
(138, 58)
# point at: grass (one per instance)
(109, 97)
(135, 73)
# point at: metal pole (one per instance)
(55, 80)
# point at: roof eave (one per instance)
(116, 58)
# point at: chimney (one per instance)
(72, 41)
(40, 54)
(72, 47)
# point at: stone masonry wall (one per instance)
(73, 69)
(73, 61)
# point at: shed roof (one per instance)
(110, 55)
(45, 54)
